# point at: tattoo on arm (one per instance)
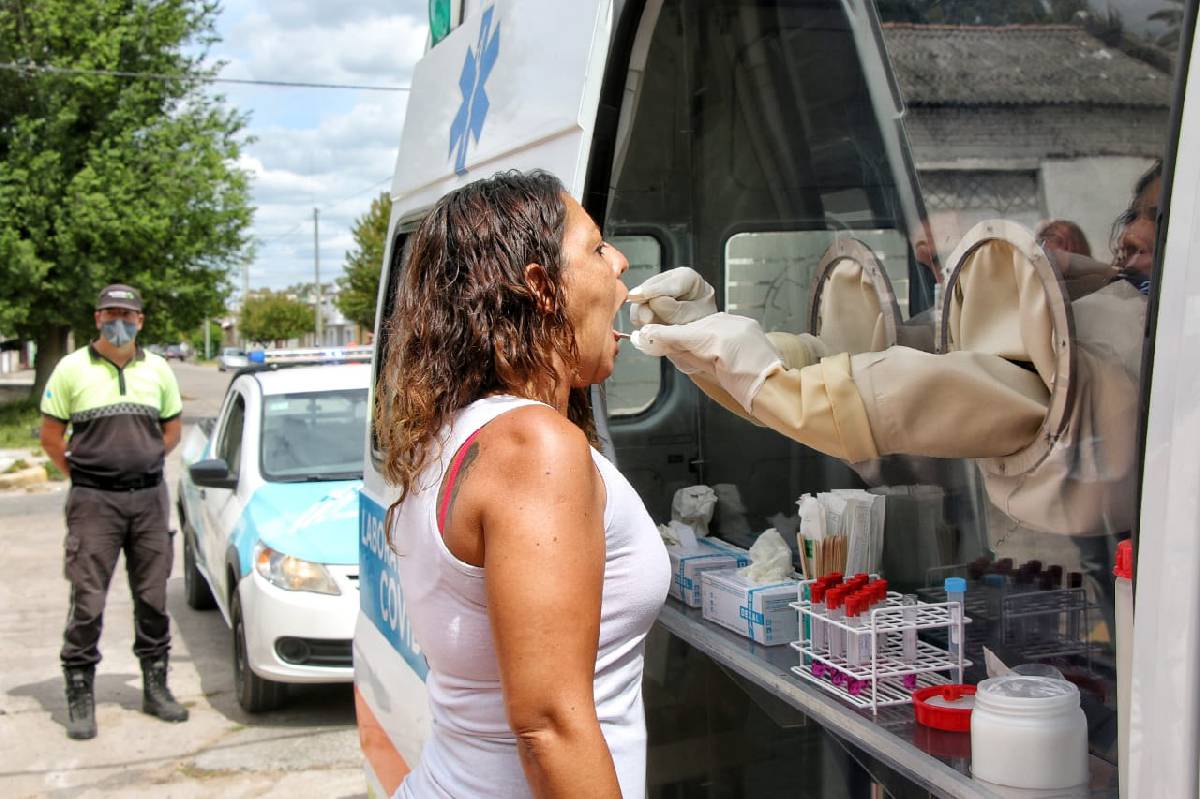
(460, 478)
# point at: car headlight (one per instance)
(292, 574)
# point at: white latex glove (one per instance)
(733, 349)
(674, 297)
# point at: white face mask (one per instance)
(118, 332)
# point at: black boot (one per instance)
(156, 697)
(81, 703)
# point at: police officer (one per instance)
(123, 406)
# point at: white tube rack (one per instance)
(885, 669)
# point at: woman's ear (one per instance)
(539, 284)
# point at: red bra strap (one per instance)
(451, 476)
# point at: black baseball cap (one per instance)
(118, 295)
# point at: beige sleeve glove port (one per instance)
(796, 350)
(818, 406)
(955, 405)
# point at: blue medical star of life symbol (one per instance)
(468, 122)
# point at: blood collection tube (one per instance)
(835, 613)
(1075, 606)
(1056, 574)
(853, 609)
(909, 615)
(865, 650)
(1047, 622)
(818, 623)
(956, 588)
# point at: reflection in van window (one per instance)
(769, 276)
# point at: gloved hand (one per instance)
(674, 297)
(733, 349)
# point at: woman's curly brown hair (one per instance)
(466, 322)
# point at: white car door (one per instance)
(221, 505)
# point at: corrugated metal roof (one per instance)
(1018, 64)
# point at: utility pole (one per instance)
(245, 293)
(207, 338)
(317, 268)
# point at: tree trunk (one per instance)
(51, 347)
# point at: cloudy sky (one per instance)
(330, 149)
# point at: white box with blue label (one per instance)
(689, 562)
(762, 613)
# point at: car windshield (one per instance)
(233, 351)
(314, 436)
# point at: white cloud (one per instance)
(375, 51)
(334, 150)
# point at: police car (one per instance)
(268, 505)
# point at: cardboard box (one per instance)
(762, 613)
(688, 563)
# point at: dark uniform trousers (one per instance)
(100, 525)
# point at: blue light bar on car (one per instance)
(311, 355)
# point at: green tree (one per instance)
(269, 316)
(359, 285)
(216, 337)
(106, 178)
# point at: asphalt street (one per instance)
(309, 748)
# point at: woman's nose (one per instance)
(620, 263)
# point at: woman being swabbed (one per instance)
(530, 568)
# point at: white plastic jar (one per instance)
(1029, 732)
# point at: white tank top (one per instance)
(471, 751)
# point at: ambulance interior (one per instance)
(767, 145)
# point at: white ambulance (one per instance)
(831, 167)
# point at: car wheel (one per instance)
(195, 588)
(254, 694)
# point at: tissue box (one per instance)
(688, 563)
(762, 613)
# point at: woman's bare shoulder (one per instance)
(533, 438)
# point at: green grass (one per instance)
(19, 423)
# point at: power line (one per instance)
(266, 241)
(163, 76)
(360, 192)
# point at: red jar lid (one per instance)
(951, 719)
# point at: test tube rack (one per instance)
(1038, 624)
(1044, 624)
(886, 677)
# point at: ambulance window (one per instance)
(769, 275)
(400, 249)
(637, 378)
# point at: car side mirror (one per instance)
(212, 473)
